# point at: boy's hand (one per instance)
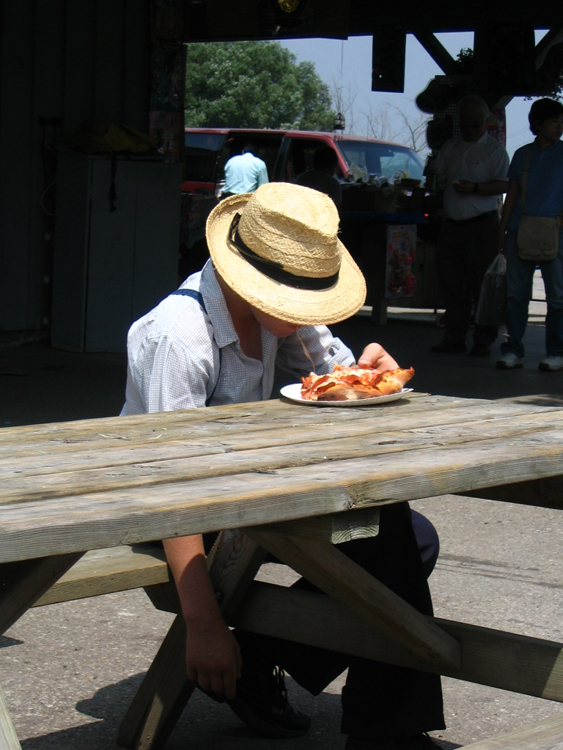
(374, 355)
(213, 660)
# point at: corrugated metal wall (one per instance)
(61, 61)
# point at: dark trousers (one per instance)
(465, 250)
(379, 701)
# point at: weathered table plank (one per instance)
(80, 470)
(305, 444)
(128, 433)
(75, 475)
(127, 515)
(546, 735)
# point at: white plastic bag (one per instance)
(491, 308)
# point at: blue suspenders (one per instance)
(194, 294)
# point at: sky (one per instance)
(347, 65)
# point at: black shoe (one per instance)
(480, 350)
(418, 742)
(262, 704)
(447, 347)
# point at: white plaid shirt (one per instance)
(181, 356)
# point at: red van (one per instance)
(287, 154)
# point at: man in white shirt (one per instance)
(244, 173)
(475, 168)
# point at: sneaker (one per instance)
(509, 361)
(418, 742)
(262, 704)
(551, 364)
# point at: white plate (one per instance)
(293, 393)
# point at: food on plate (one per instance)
(354, 383)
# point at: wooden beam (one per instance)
(553, 36)
(546, 735)
(335, 528)
(330, 570)
(500, 659)
(543, 493)
(8, 737)
(23, 583)
(106, 571)
(437, 51)
(447, 17)
(161, 696)
(337, 19)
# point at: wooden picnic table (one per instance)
(293, 479)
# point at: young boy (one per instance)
(277, 274)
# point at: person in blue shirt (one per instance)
(244, 173)
(544, 197)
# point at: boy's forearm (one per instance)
(213, 660)
(186, 558)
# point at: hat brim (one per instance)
(287, 303)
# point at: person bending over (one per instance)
(276, 276)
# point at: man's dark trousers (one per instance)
(465, 251)
(379, 701)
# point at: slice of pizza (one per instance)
(354, 383)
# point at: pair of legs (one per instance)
(379, 701)
(465, 251)
(519, 279)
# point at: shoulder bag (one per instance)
(538, 236)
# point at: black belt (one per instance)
(474, 218)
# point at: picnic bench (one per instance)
(290, 479)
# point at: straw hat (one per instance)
(278, 248)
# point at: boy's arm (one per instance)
(324, 351)
(213, 658)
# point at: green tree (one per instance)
(254, 84)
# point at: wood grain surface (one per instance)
(76, 486)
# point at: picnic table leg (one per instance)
(165, 690)
(338, 576)
(8, 737)
(162, 695)
(23, 583)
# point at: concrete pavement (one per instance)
(70, 670)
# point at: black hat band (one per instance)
(274, 270)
